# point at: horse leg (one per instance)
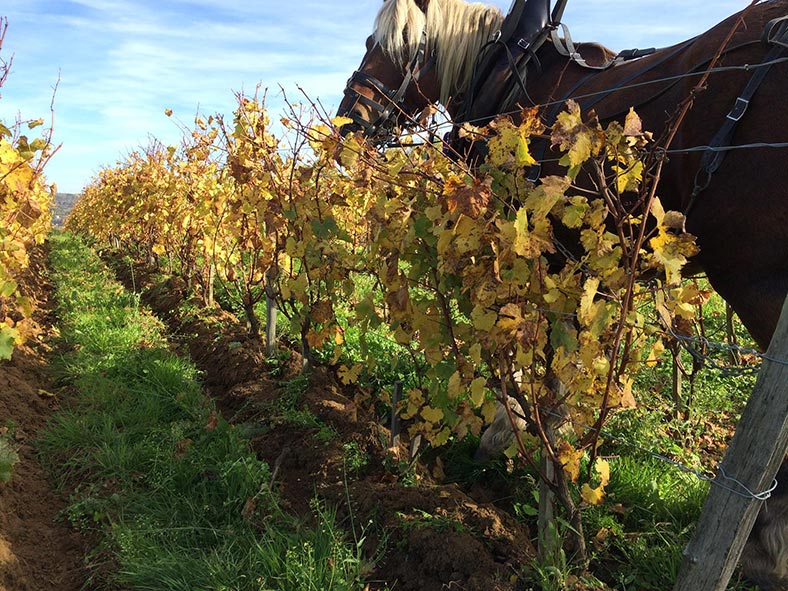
(764, 559)
(757, 302)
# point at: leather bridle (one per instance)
(394, 99)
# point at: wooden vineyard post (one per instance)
(395, 427)
(270, 313)
(548, 544)
(270, 308)
(753, 458)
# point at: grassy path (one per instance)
(172, 491)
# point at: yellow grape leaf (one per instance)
(414, 400)
(523, 244)
(627, 399)
(602, 468)
(8, 337)
(431, 414)
(488, 411)
(339, 121)
(317, 134)
(24, 306)
(483, 319)
(686, 299)
(478, 387)
(684, 310)
(475, 352)
(433, 355)
(9, 286)
(655, 355)
(454, 386)
(657, 210)
(671, 252)
(579, 140)
(509, 146)
(401, 336)
(350, 150)
(692, 294)
(628, 176)
(594, 496)
(339, 335)
(585, 312)
(336, 355)
(570, 460)
(522, 156)
(441, 438)
(544, 197)
(601, 365)
(501, 146)
(511, 318)
(574, 212)
(349, 375)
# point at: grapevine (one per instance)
(25, 199)
(504, 288)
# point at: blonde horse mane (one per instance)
(456, 31)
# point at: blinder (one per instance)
(394, 99)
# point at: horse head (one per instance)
(416, 56)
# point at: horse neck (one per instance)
(457, 31)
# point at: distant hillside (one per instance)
(63, 204)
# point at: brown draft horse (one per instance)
(425, 51)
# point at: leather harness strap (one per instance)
(775, 34)
(395, 98)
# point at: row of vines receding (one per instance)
(25, 199)
(502, 290)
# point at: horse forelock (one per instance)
(456, 31)
(398, 27)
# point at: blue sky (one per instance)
(121, 63)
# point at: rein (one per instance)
(395, 98)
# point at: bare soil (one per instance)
(37, 550)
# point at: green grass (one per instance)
(172, 492)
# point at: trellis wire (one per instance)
(742, 490)
(716, 70)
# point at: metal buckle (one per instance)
(523, 44)
(737, 112)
